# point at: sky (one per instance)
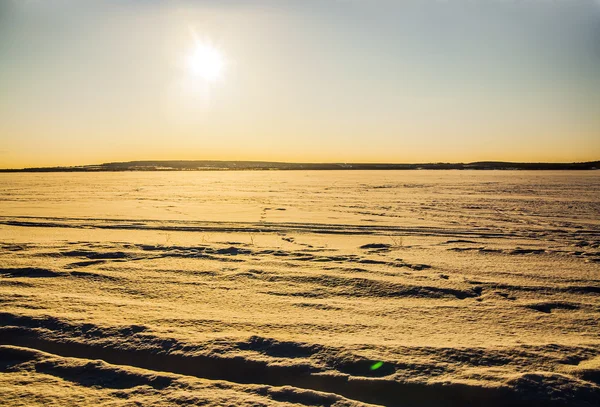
(87, 82)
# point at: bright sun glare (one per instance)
(206, 62)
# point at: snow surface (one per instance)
(306, 288)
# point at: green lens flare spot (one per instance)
(376, 366)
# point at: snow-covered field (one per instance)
(331, 288)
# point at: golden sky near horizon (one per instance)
(335, 80)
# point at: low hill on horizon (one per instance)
(211, 165)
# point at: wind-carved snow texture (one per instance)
(301, 288)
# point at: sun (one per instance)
(207, 62)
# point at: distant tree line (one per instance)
(203, 165)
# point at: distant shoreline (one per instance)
(204, 165)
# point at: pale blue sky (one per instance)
(331, 80)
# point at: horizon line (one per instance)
(144, 165)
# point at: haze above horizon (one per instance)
(299, 81)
